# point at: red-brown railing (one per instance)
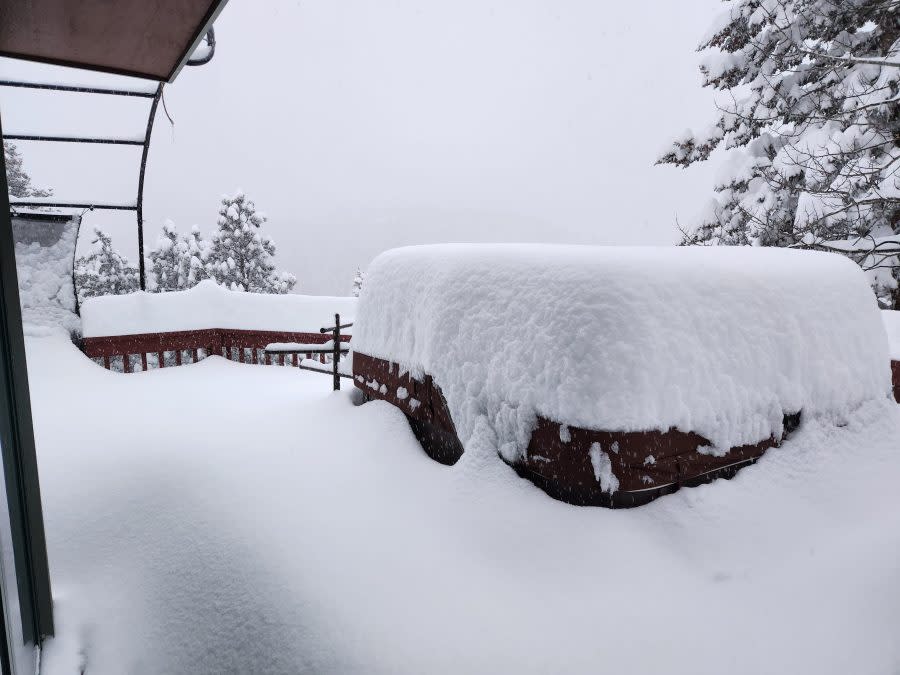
(245, 346)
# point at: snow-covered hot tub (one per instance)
(612, 375)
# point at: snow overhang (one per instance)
(143, 38)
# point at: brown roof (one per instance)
(144, 38)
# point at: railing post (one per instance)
(336, 358)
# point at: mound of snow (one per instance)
(891, 321)
(719, 341)
(208, 305)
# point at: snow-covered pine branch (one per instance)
(808, 108)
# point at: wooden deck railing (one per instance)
(245, 346)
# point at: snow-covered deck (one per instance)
(222, 517)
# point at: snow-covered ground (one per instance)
(230, 518)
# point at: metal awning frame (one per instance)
(138, 206)
(208, 33)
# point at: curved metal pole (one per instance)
(211, 41)
(140, 198)
(74, 260)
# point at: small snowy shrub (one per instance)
(104, 271)
(240, 256)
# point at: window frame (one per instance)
(17, 445)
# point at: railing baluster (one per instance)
(194, 346)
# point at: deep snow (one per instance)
(208, 305)
(231, 518)
(722, 341)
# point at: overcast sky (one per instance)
(358, 126)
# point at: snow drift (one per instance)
(208, 305)
(717, 341)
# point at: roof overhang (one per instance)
(143, 38)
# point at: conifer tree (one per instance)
(19, 181)
(191, 266)
(240, 256)
(165, 260)
(104, 271)
(177, 262)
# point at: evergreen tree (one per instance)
(193, 260)
(810, 115)
(358, 281)
(239, 255)
(165, 260)
(104, 271)
(177, 262)
(19, 181)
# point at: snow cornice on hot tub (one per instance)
(724, 346)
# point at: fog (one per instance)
(359, 126)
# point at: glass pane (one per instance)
(23, 657)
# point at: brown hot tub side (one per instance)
(423, 404)
(647, 464)
(895, 373)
